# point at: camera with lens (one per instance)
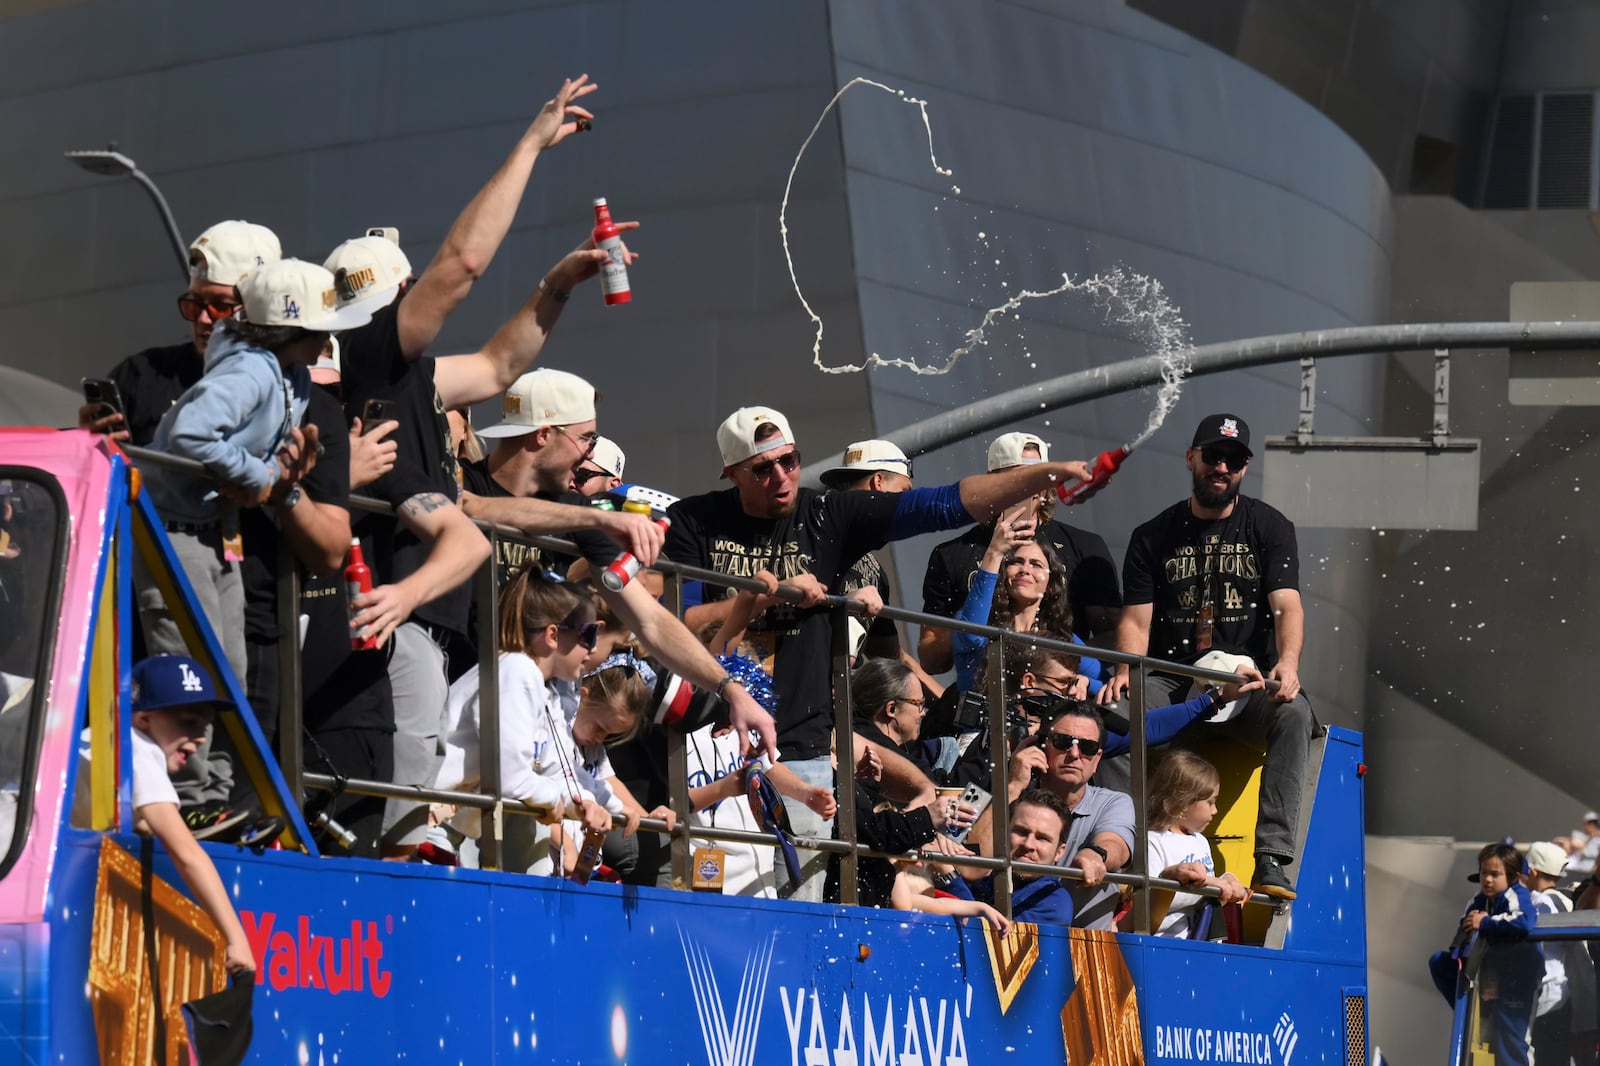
(972, 715)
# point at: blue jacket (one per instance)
(1517, 963)
(1042, 900)
(969, 646)
(1161, 724)
(233, 420)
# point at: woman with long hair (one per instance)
(1020, 585)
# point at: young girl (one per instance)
(1183, 800)
(547, 628)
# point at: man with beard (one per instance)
(1221, 572)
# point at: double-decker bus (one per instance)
(365, 961)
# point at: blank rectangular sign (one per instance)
(1555, 377)
(1374, 483)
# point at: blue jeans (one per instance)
(808, 823)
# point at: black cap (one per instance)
(1223, 429)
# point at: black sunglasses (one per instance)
(788, 463)
(583, 475)
(588, 632)
(1064, 742)
(1214, 455)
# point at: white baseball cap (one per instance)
(736, 437)
(1547, 858)
(543, 398)
(867, 457)
(608, 457)
(1007, 449)
(228, 251)
(1227, 663)
(292, 292)
(369, 268)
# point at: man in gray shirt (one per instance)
(1099, 834)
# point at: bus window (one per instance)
(30, 560)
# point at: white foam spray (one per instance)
(1124, 297)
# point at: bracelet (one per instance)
(558, 295)
(1097, 849)
(722, 686)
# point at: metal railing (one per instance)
(495, 806)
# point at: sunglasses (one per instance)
(588, 632)
(1064, 742)
(191, 306)
(763, 470)
(584, 475)
(1212, 455)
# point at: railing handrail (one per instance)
(849, 849)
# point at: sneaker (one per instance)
(214, 821)
(261, 833)
(1270, 878)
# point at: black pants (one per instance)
(359, 753)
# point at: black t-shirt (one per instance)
(1177, 562)
(824, 535)
(151, 382)
(883, 639)
(512, 556)
(1091, 572)
(372, 366)
(328, 482)
(340, 688)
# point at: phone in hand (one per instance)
(978, 800)
(376, 412)
(103, 392)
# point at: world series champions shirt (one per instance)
(1180, 564)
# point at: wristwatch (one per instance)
(558, 295)
(722, 686)
(291, 499)
(1097, 849)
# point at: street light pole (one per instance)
(112, 163)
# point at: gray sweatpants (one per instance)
(219, 588)
(421, 711)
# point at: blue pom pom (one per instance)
(755, 680)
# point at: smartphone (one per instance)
(978, 800)
(103, 391)
(376, 412)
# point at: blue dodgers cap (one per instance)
(173, 681)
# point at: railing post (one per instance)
(291, 748)
(1138, 765)
(678, 770)
(844, 744)
(999, 773)
(486, 591)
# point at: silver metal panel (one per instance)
(1555, 379)
(1371, 485)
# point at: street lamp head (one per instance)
(107, 162)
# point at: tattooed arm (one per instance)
(456, 549)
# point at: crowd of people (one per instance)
(302, 383)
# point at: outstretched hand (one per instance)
(559, 118)
(585, 261)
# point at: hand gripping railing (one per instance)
(489, 799)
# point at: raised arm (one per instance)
(477, 232)
(463, 380)
(986, 495)
(635, 532)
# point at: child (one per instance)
(547, 628)
(235, 420)
(914, 890)
(610, 709)
(1502, 913)
(1183, 800)
(174, 703)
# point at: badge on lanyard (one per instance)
(709, 867)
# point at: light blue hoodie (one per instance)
(233, 420)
